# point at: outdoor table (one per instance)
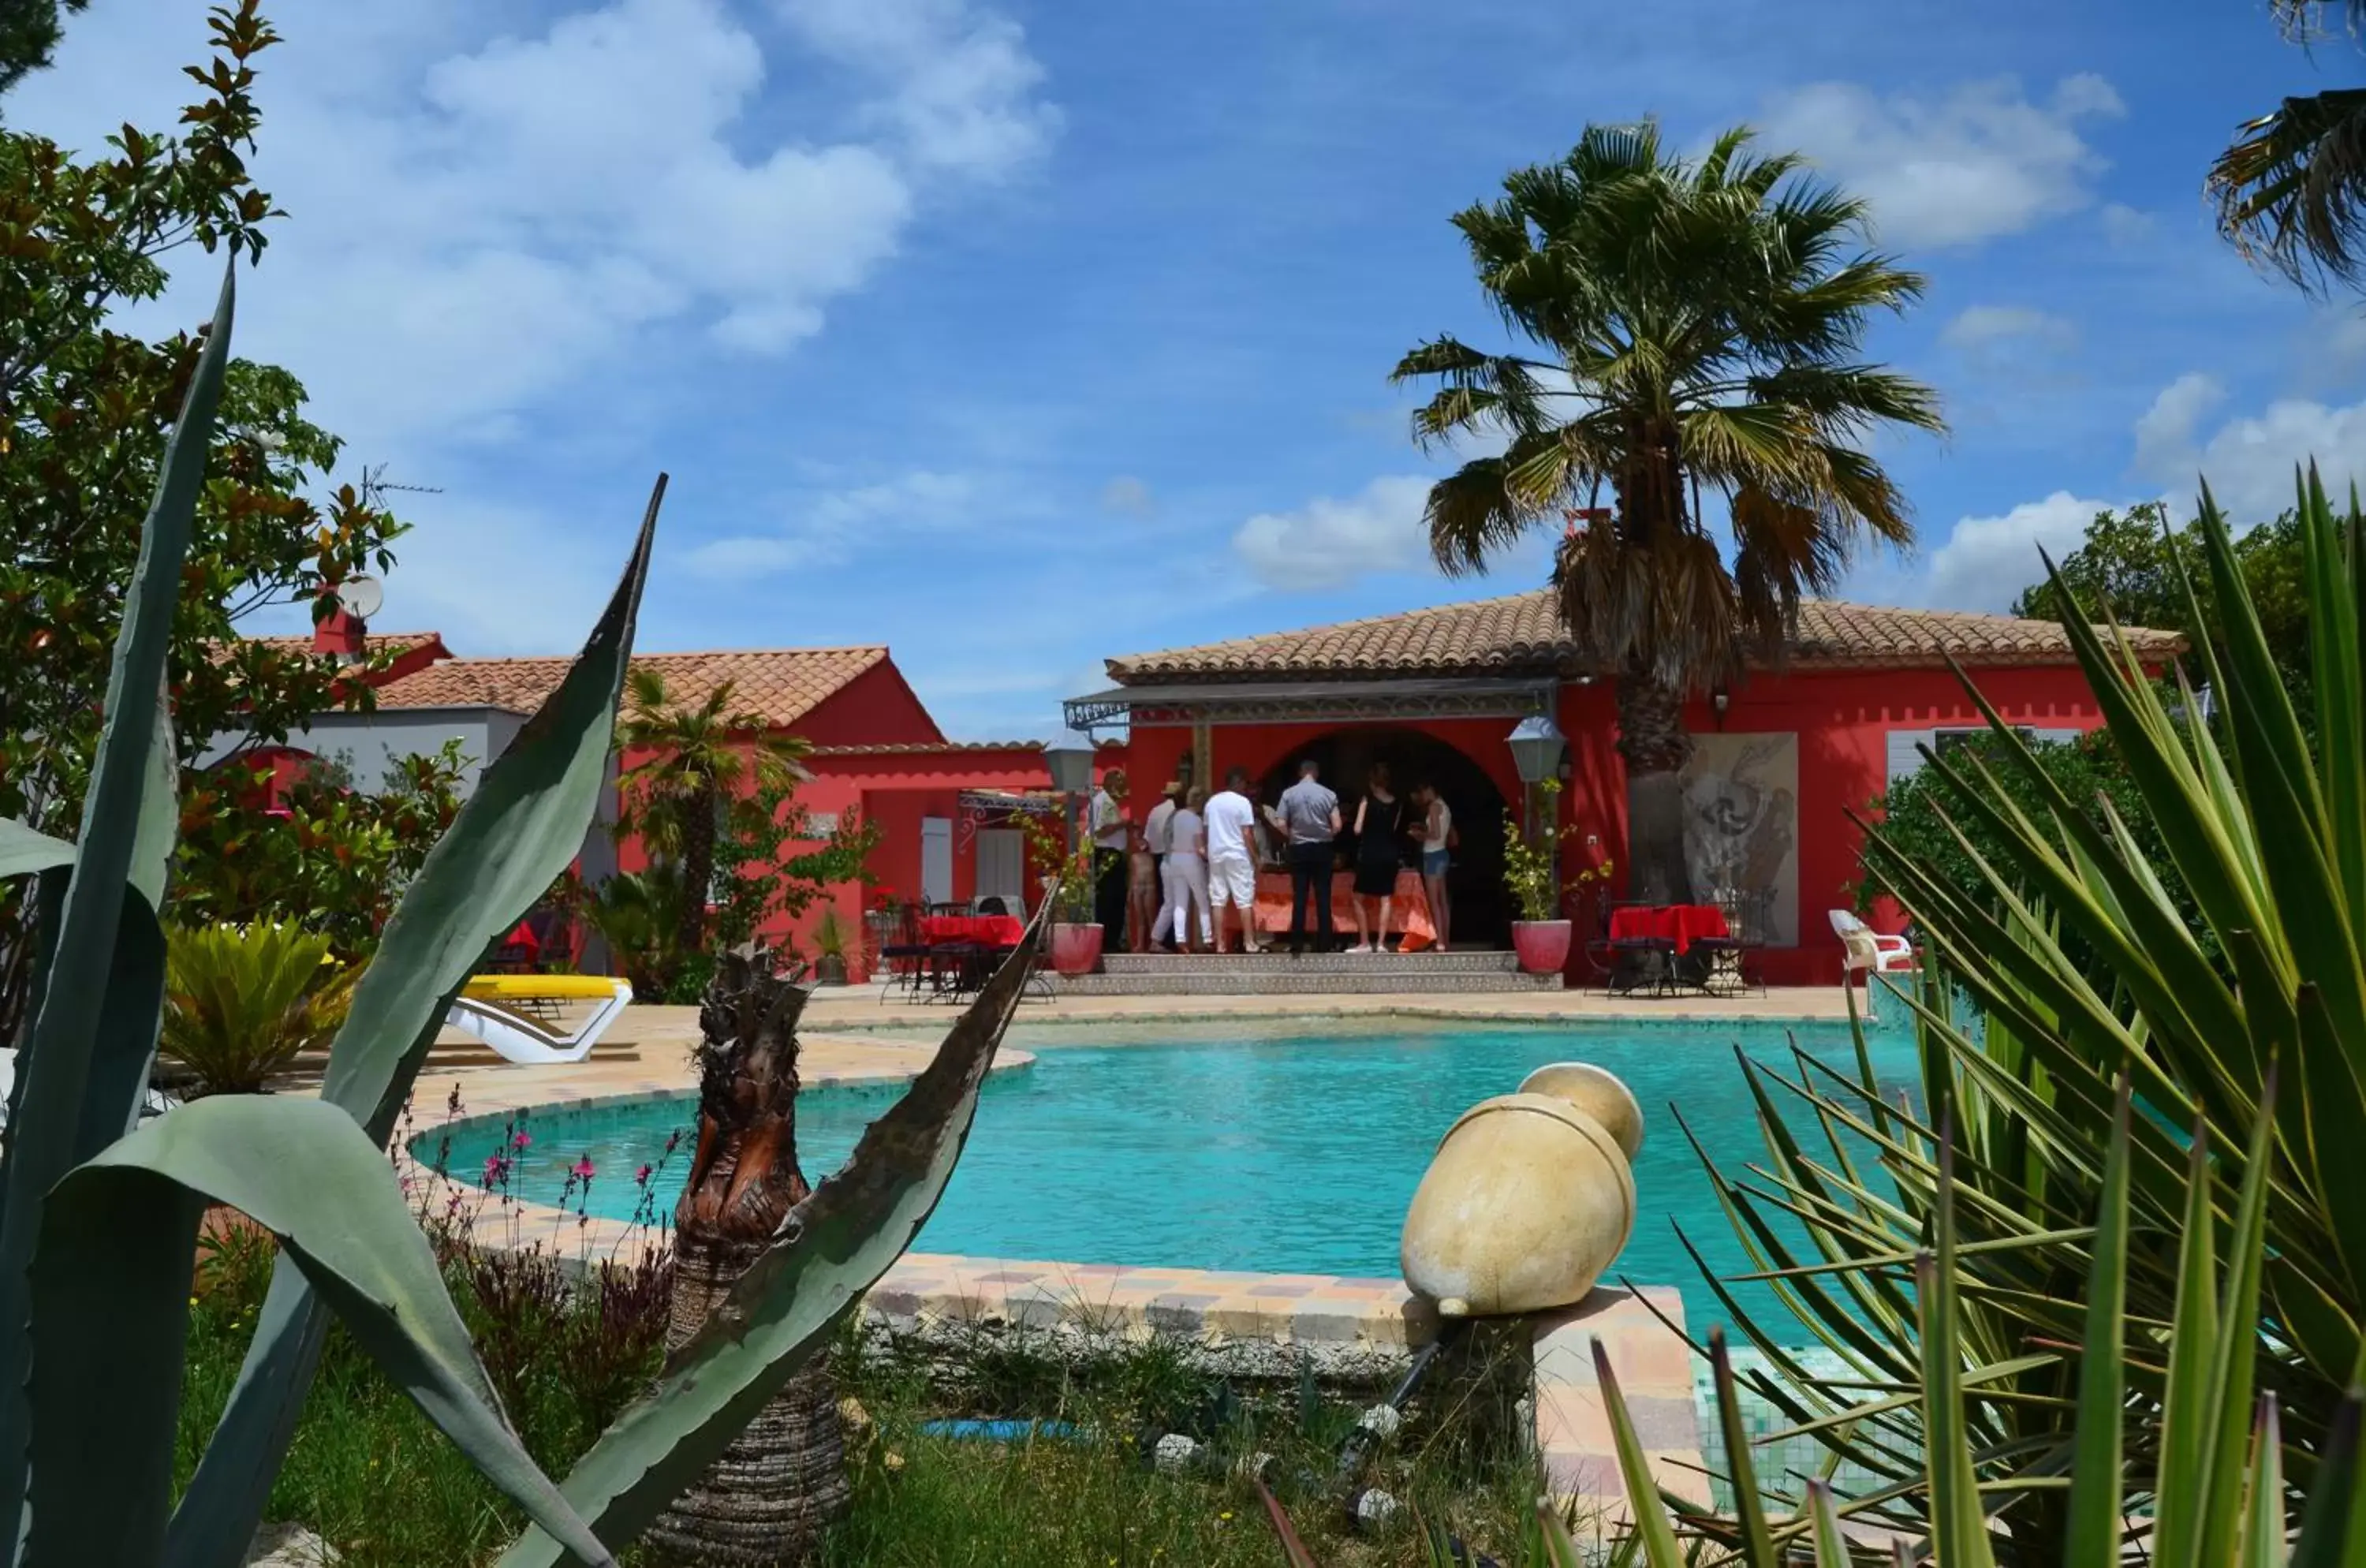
(1408, 908)
(985, 930)
(1679, 923)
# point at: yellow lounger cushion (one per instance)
(537, 987)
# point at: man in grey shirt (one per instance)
(1310, 814)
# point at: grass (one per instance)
(373, 1478)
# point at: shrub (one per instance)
(240, 1002)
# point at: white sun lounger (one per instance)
(487, 1009)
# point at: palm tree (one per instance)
(2289, 190)
(782, 1481)
(1698, 327)
(703, 756)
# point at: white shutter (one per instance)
(1905, 761)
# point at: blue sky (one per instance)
(1015, 335)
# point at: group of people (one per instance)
(1168, 878)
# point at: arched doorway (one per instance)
(1475, 879)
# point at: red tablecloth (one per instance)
(988, 931)
(1679, 923)
(1408, 908)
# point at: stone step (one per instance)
(1279, 963)
(1238, 978)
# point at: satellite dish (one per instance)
(361, 596)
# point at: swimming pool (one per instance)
(1218, 1147)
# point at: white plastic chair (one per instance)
(478, 1011)
(1868, 951)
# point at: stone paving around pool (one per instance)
(1326, 1317)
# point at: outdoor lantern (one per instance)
(1537, 749)
(1070, 757)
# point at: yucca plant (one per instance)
(2025, 1041)
(98, 1221)
(2215, 1492)
(240, 1002)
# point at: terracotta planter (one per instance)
(1075, 949)
(1543, 945)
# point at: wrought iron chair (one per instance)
(1636, 963)
(1726, 969)
(904, 954)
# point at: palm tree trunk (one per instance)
(783, 1481)
(697, 877)
(1652, 739)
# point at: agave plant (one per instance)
(240, 1002)
(98, 1215)
(2213, 1492)
(2025, 1041)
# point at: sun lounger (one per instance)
(499, 1009)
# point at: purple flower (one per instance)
(493, 1167)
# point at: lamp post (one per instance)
(1070, 759)
(1537, 746)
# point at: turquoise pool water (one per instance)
(1223, 1150)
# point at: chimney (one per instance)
(341, 632)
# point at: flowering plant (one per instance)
(1528, 863)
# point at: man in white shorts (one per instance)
(1232, 857)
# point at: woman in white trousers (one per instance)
(1186, 875)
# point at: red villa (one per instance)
(1781, 758)
(945, 807)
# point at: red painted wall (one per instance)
(877, 707)
(1843, 720)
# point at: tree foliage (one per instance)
(29, 32)
(84, 412)
(2135, 565)
(327, 856)
(703, 763)
(2291, 191)
(1701, 325)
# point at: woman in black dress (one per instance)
(1379, 851)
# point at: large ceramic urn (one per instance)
(1525, 1205)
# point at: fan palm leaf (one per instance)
(1686, 326)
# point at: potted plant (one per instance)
(829, 949)
(1541, 935)
(1068, 887)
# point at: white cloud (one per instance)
(2166, 432)
(478, 222)
(1986, 561)
(486, 228)
(1128, 497)
(955, 80)
(1979, 327)
(1977, 162)
(2125, 225)
(828, 528)
(1329, 543)
(2249, 461)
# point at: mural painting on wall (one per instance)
(1742, 823)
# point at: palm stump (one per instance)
(783, 1481)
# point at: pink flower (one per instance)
(583, 1168)
(522, 1141)
(642, 1176)
(493, 1167)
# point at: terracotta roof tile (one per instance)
(1523, 632)
(378, 641)
(922, 748)
(781, 684)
